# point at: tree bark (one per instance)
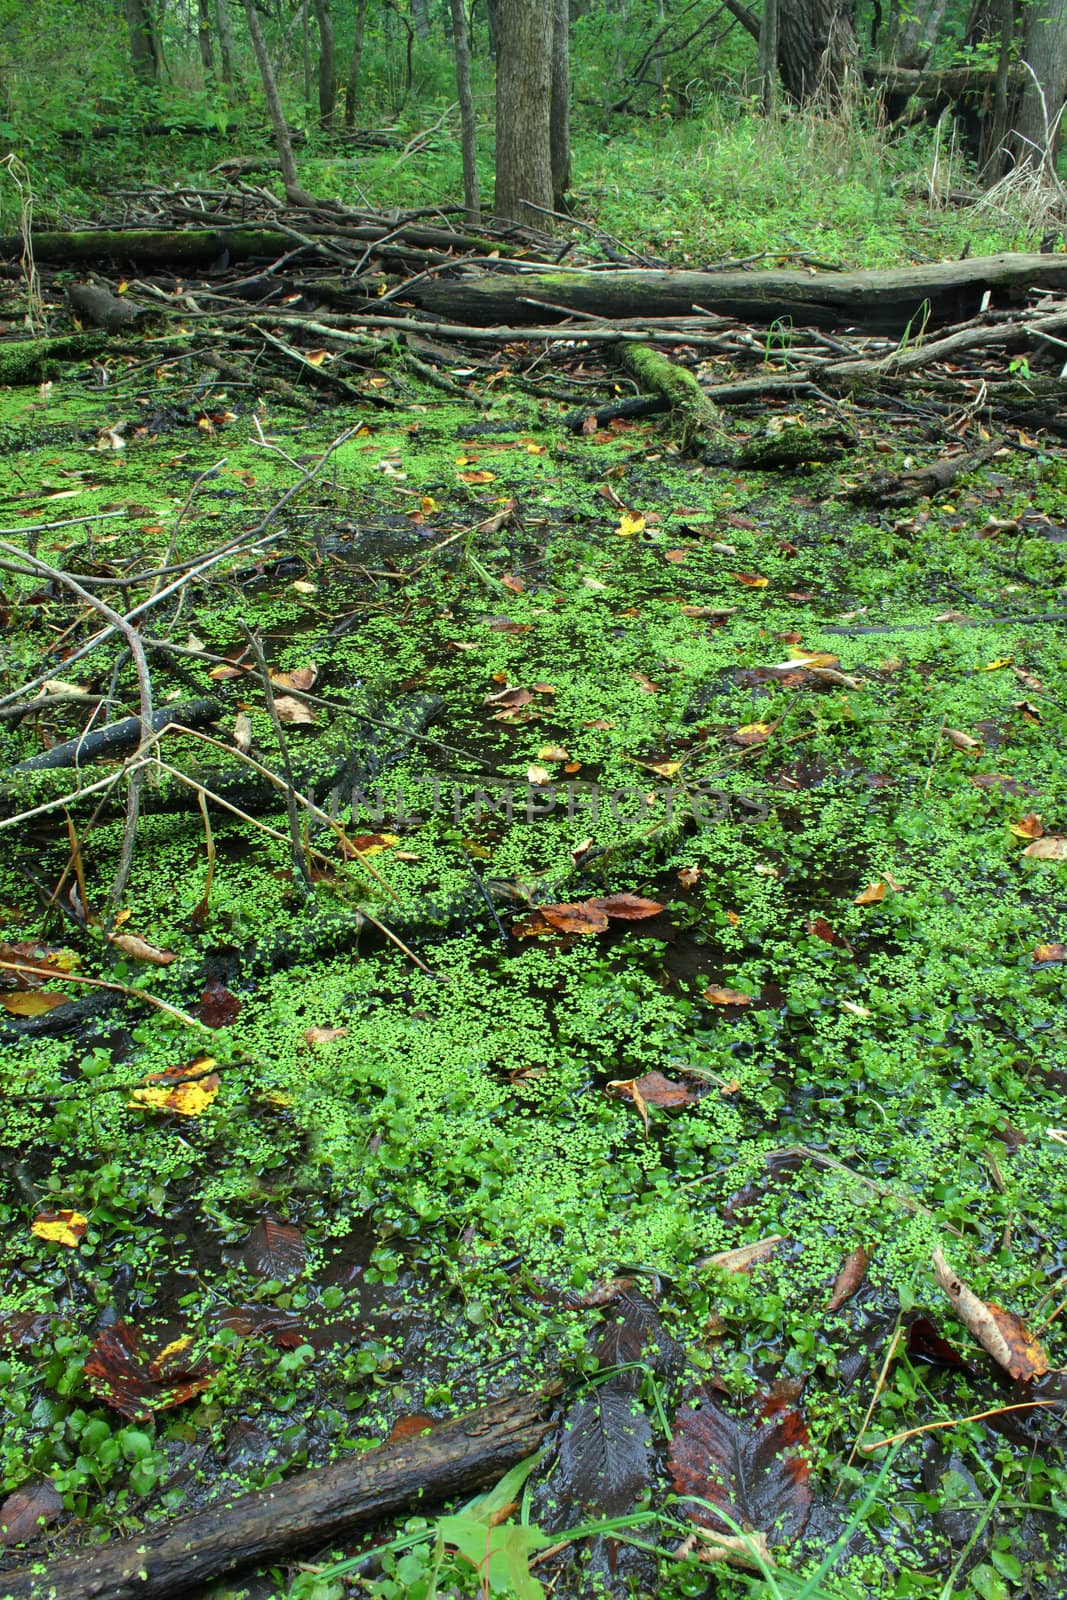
(468, 124)
(204, 40)
(354, 64)
(274, 104)
(816, 45)
(1037, 130)
(227, 50)
(327, 72)
(420, 16)
(314, 1508)
(885, 301)
(768, 57)
(523, 111)
(144, 45)
(917, 33)
(560, 111)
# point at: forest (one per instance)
(533, 799)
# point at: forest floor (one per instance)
(786, 781)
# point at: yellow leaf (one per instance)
(552, 752)
(631, 522)
(60, 1227)
(752, 733)
(871, 896)
(33, 1003)
(185, 1090)
(995, 666)
(315, 358)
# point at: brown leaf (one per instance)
(852, 1273)
(509, 699)
(1050, 952)
(1028, 827)
(871, 895)
(752, 733)
(118, 1374)
(217, 1007)
(26, 1512)
(1003, 1334)
(140, 950)
(33, 1002)
(275, 1250)
(324, 1035)
(298, 678)
(720, 996)
(576, 917)
(60, 1227)
(644, 682)
(293, 712)
(745, 1256)
(962, 741)
(626, 907)
(1050, 848)
(755, 1471)
(819, 928)
(751, 580)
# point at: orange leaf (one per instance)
(626, 907)
(751, 580)
(1028, 827)
(719, 996)
(577, 917)
(871, 896)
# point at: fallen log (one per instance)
(116, 737)
(889, 301)
(696, 419)
(314, 1508)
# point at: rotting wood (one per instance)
(313, 1508)
(698, 423)
(920, 483)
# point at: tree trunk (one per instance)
(523, 111)
(917, 33)
(559, 116)
(816, 44)
(1038, 121)
(203, 37)
(768, 57)
(144, 46)
(327, 72)
(420, 16)
(274, 104)
(468, 125)
(227, 50)
(995, 154)
(354, 64)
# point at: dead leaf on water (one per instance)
(1050, 848)
(719, 996)
(1002, 1333)
(60, 1227)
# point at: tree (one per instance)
(468, 126)
(204, 40)
(144, 43)
(274, 105)
(327, 73)
(227, 51)
(559, 124)
(524, 31)
(816, 43)
(1039, 118)
(768, 57)
(354, 64)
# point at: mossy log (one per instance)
(695, 418)
(887, 301)
(312, 1509)
(34, 360)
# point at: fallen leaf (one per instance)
(324, 1035)
(644, 682)
(367, 844)
(630, 522)
(871, 895)
(627, 907)
(1050, 848)
(509, 698)
(117, 1373)
(676, 557)
(552, 752)
(852, 1273)
(275, 1250)
(33, 1002)
(1028, 827)
(819, 928)
(537, 775)
(242, 732)
(1050, 952)
(751, 580)
(962, 741)
(689, 877)
(191, 1094)
(752, 733)
(1002, 1333)
(719, 996)
(300, 678)
(745, 1256)
(756, 1472)
(26, 1512)
(577, 917)
(293, 712)
(481, 476)
(140, 950)
(60, 1227)
(217, 1007)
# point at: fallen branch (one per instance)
(314, 1508)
